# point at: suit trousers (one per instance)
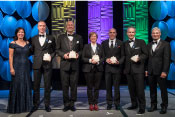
(69, 78)
(47, 84)
(112, 79)
(153, 80)
(136, 89)
(93, 79)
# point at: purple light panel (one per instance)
(100, 19)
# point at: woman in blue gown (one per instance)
(20, 94)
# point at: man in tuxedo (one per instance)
(67, 44)
(114, 58)
(43, 47)
(135, 56)
(158, 67)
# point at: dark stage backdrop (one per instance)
(82, 29)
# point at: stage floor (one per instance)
(82, 105)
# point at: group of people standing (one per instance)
(108, 58)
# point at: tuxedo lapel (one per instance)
(97, 51)
(37, 42)
(74, 42)
(150, 48)
(90, 50)
(66, 41)
(46, 41)
(128, 47)
(158, 46)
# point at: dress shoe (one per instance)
(48, 109)
(163, 110)
(34, 108)
(96, 107)
(153, 108)
(109, 107)
(141, 112)
(66, 108)
(132, 107)
(72, 108)
(91, 108)
(117, 107)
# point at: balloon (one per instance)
(158, 10)
(40, 11)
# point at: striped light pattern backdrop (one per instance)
(100, 18)
(61, 11)
(135, 13)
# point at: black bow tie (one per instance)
(154, 42)
(131, 41)
(41, 35)
(69, 35)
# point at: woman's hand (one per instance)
(12, 71)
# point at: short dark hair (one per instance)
(92, 33)
(42, 21)
(16, 31)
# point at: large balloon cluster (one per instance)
(9, 23)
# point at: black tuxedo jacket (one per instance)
(39, 51)
(118, 52)
(87, 54)
(62, 47)
(139, 48)
(159, 60)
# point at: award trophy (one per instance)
(47, 57)
(96, 58)
(135, 58)
(113, 59)
(72, 54)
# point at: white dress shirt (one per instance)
(132, 43)
(70, 37)
(42, 39)
(110, 41)
(93, 46)
(155, 45)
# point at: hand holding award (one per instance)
(113, 59)
(72, 55)
(135, 58)
(47, 57)
(96, 58)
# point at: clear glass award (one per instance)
(72, 54)
(47, 57)
(135, 58)
(113, 59)
(96, 58)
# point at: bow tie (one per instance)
(41, 36)
(70, 35)
(131, 41)
(154, 42)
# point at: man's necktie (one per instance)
(112, 44)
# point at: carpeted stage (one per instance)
(82, 105)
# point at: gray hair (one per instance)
(156, 28)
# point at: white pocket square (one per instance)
(49, 41)
(77, 42)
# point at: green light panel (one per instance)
(136, 14)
